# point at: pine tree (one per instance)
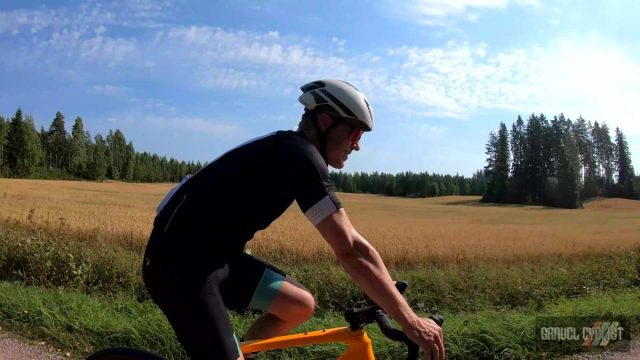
(58, 143)
(4, 131)
(44, 146)
(502, 165)
(130, 162)
(498, 165)
(626, 175)
(478, 183)
(79, 154)
(23, 146)
(16, 141)
(569, 173)
(117, 155)
(535, 162)
(554, 140)
(34, 149)
(99, 162)
(491, 150)
(604, 149)
(597, 148)
(518, 165)
(582, 131)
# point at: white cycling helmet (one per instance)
(341, 96)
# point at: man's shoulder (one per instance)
(302, 147)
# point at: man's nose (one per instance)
(356, 146)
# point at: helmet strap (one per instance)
(322, 136)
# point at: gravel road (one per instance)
(12, 348)
(632, 354)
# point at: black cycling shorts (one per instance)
(196, 304)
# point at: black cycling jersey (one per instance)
(194, 267)
(222, 206)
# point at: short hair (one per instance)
(306, 121)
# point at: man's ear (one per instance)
(324, 121)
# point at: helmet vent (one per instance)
(312, 86)
(317, 98)
(338, 103)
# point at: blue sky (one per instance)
(191, 79)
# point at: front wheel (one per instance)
(123, 354)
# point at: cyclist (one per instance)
(195, 267)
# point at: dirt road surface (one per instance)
(12, 348)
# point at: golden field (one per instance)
(441, 230)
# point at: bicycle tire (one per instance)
(123, 354)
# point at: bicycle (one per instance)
(359, 345)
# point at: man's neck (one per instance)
(310, 136)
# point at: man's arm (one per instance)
(365, 266)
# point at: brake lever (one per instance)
(413, 350)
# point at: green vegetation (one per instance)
(409, 184)
(81, 324)
(56, 259)
(557, 163)
(81, 289)
(56, 154)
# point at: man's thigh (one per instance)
(252, 284)
(198, 316)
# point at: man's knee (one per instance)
(306, 304)
(294, 303)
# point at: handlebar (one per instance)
(360, 317)
(382, 319)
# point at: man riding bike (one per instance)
(195, 267)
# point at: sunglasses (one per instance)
(355, 135)
(356, 131)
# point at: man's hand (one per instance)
(428, 335)
(366, 268)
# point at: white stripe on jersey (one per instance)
(321, 210)
(184, 180)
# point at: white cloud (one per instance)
(109, 90)
(89, 16)
(445, 12)
(227, 78)
(528, 2)
(219, 58)
(212, 44)
(80, 47)
(192, 124)
(90, 37)
(30, 21)
(585, 76)
(115, 51)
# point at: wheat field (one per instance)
(445, 230)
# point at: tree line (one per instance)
(557, 163)
(54, 153)
(409, 184)
(57, 154)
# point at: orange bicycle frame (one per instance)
(358, 342)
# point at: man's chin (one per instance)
(338, 165)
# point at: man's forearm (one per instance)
(366, 267)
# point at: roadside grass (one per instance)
(81, 324)
(57, 259)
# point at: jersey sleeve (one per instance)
(314, 191)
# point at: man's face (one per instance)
(341, 140)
